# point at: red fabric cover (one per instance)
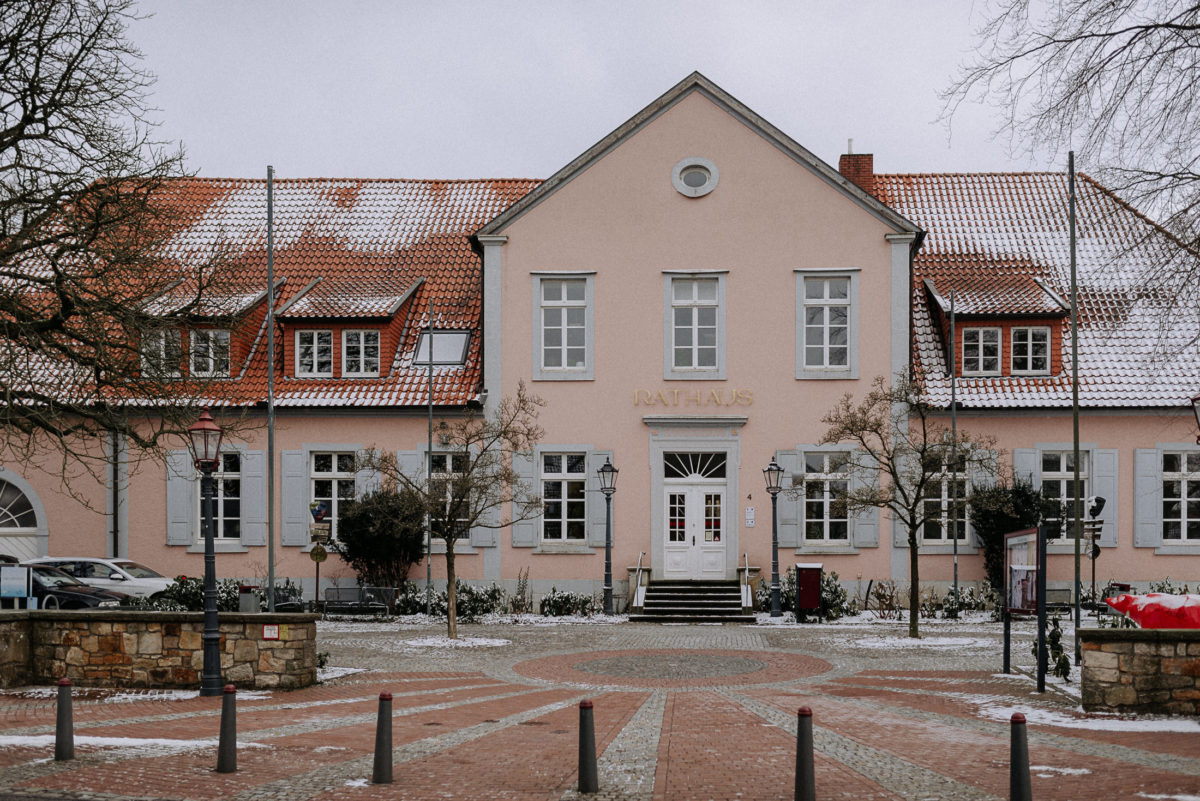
(1159, 610)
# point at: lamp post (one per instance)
(204, 441)
(774, 476)
(608, 485)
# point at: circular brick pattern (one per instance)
(673, 668)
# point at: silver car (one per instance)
(122, 575)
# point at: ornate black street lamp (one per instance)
(205, 444)
(608, 485)
(774, 476)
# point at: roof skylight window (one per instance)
(449, 347)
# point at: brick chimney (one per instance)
(859, 168)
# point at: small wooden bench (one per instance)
(358, 600)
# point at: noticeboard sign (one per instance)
(14, 582)
(1020, 571)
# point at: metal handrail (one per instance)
(639, 592)
(747, 600)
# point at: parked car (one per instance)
(121, 575)
(54, 589)
(5, 559)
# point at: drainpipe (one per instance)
(115, 490)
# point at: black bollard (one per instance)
(1018, 771)
(806, 780)
(227, 745)
(382, 771)
(589, 777)
(64, 724)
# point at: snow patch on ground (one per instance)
(992, 709)
(461, 642)
(157, 745)
(1161, 797)
(1049, 771)
(330, 673)
(931, 643)
(357, 783)
(422, 621)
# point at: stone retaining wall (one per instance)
(156, 649)
(1141, 670)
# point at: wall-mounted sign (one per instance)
(750, 517)
(694, 398)
(271, 632)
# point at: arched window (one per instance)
(15, 509)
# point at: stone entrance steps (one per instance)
(692, 602)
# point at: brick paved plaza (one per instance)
(681, 712)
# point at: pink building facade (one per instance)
(689, 296)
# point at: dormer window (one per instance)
(360, 354)
(314, 354)
(449, 347)
(209, 353)
(1031, 351)
(162, 352)
(981, 351)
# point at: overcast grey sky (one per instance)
(474, 89)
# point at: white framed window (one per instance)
(16, 510)
(1058, 485)
(227, 499)
(943, 493)
(360, 353)
(695, 326)
(449, 347)
(1031, 351)
(447, 471)
(563, 326)
(825, 483)
(331, 480)
(209, 352)
(162, 352)
(314, 354)
(564, 497)
(826, 324)
(981, 351)
(1181, 496)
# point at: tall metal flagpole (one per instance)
(1077, 502)
(954, 445)
(429, 469)
(270, 388)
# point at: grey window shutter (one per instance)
(1147, 498)
(295, 498)
(1027, 467)
(182, 525)
(366, 481)
(525, 532)
(411, 464)
(790, 502)
(981, 473)
(864, 526)
(595, 500)
(254, 498)
(1104, 483)
(485, 534)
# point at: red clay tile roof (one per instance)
(366, 244)
(992, 233)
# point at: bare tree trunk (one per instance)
(451, 592)
(914, 585)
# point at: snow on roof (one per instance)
(999, 238)
(351, 250)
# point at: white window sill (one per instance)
(563, 547)
(1191, 548)
(220, 546)
(461, 546)
(827, 547)
(947, 548)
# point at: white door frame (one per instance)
(700, 554)
(709, 434)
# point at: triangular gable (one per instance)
(698, 83)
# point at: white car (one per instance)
(121, 575)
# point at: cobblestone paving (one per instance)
(681, 712)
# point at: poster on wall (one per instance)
(1020, 571)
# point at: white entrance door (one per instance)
(695, 531)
